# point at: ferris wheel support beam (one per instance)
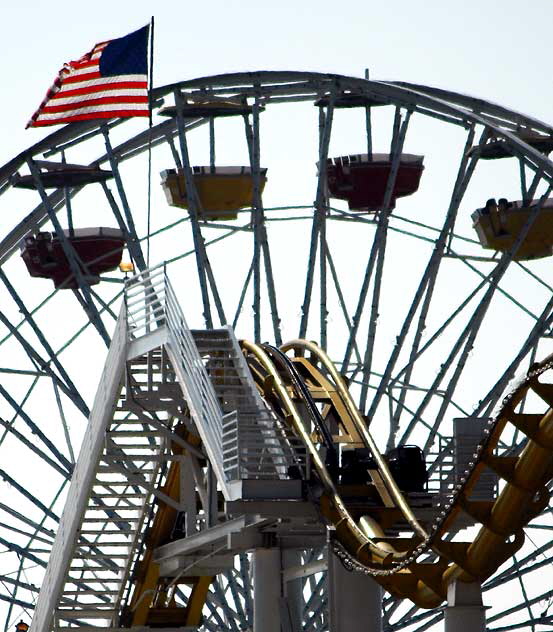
(463, 177)
(398, 140)
(205, 274)
(85, 299)
(466, 340)
(68, 387)
(131, 228)
(325, 129)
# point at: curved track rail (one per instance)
(419, 566)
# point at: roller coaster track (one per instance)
(419, 566)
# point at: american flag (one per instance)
(110, 81)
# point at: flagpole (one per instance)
(151, 78)
(151, 66)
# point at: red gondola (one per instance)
(362, 181)
(99, 250)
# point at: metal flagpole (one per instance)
(151, 86)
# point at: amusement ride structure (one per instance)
(352, 452)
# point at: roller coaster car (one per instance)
(498, 225)
(222, 190)
(98, 249)
(58, 174)
(408, 467)
(355, 466)
(362, 181)
(496, 149)
(406, 463)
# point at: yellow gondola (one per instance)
(222, 190)
(499, 224)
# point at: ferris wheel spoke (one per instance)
(205, 273)
(261, 243)
(407, 618)
(29, 444)
(398, 139)
(39, 528)
(237, 597)
(325, 128)
(232, 618)
(65, 427)
(35, 429)
(522, 567)
(271, 290)
(504, 614)
(40, 363)
(243, 292)
(91, 310)
(463, 178)
(405, 373)
(500, 290)
(544, 323)
(342, 303)
(427, 282)
(76, 267)
(256, 219)
(534, 186)
(524, 594)
(461, 348)
(67, 386)
(131, 229)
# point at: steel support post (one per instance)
(293, 590)
(267, 585)
(465, 610)
(355, 599)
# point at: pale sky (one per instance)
(498, 50)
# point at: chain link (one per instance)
(352, 564)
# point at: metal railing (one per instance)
(145, 302)
(152, 304)
(258, 447)
(243, 444)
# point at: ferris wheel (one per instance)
(407, 229)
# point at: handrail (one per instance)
(194, 378)
(151, 303)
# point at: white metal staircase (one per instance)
(157, 373)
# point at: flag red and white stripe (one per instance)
(82, 90)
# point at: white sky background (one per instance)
(500, 51)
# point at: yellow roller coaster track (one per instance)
(421, 562)
(420, 565)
